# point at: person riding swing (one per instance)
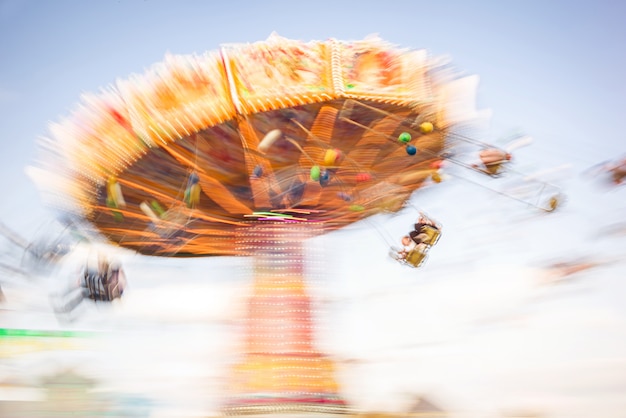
(416, 244)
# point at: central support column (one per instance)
(281, 369)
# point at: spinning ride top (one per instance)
(173, 161)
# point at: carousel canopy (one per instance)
(171, 162)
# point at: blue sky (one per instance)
(553, 70)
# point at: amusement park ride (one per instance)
(252, 150)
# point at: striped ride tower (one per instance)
(280, 369)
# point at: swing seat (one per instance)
(97, 297)
(495, 169)
(552, 204)
(432, 233)
(416, 257)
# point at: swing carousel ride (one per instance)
(251, 150)
(172, 162)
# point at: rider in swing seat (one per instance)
(425, 231)
(492, 161)
(416, 244)
(413, 253)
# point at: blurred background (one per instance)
(516, 312)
